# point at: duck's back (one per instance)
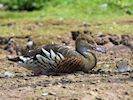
(66, 51)
(57, 58)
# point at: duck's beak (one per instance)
(98, 48)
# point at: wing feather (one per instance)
(69, 65)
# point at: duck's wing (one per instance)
(56, 58)
(69, 65)
(57, 62)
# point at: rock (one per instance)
(101, 34)
(9, 74)
(98, 98)
(3, 40)
(48, 93)
(125, 39)
(126, 93)
(65, 81)
(45, 94)
(128, 41)
(120, 51)
(101, 40)
(64, 87)
(100, 49)
(51, 93)
(87, 32)
(123, 66)
(115, 39)
(108, 45)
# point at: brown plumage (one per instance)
(60, 58)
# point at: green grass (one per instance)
(75, 9)
(70, 14)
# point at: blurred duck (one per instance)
(30, 44)
(57, 58)
(12, 47)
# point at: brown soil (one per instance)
(68, 87)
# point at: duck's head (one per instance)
(85, 43)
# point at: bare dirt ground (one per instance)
(77, 86)
(112, 79)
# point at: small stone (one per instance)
(126, 93)
(109, 81)
(51, 93)
(115, 39)
(9, 74)
(100, 49)
(83, 85)
(92, 93)
(63, 87)
(101, 40)
(96, 90)
(98, 98)
(45, 94)
(123, 66)
(100, 34)
(48, 93)
(74, 99)
(92, 82)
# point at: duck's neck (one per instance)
(80, 47)
(89, 57)
(90, 61)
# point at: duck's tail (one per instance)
(20, 59)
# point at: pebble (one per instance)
(123, 66)
(7, 74)
(48, 93)
(51, 93)
(45, 94)
(64, 87)
(98, 98)
(126, 93)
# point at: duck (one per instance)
(12, 47)
(30, 44)
(59, 58)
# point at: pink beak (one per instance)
(99, 49)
